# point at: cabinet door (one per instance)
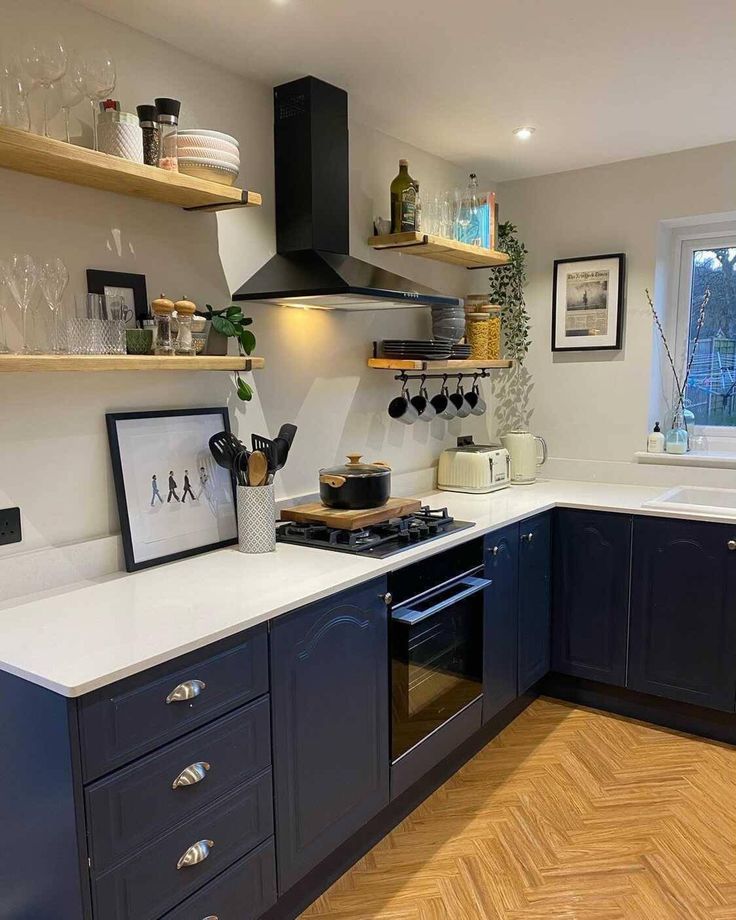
(501, 620)
(534, 600)
(590, 610)
(330, 710)
(682, 640)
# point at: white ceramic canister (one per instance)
(120, 135)
(256, 519)
(525, 457)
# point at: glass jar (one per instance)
(494, 333)
(184, 314)
(477, 330)
(167, 116)
(676, 441)
(163, 342)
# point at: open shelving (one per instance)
(54, 159)
(439, 249)
(93, 363)
(406, 364)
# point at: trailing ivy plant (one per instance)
(231, 323)
(507, 289)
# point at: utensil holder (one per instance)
(256, 519)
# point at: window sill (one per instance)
(719, 459)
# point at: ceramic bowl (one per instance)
(207, 146)
(215, 138)
(198, 153)
(212, 170)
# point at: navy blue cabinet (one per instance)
(500, 622)
(534, 600)
(330, 712)
(683, 620)
(590, 610)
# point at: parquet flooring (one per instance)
(569, 814)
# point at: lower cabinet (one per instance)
(501, 620)
(534, 600)
(330, 717)
(590, 610)
(683, 618)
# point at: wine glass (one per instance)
(94, 75)
(44, 60)
(4, 347)
(21, 276)
(54, 278)
(14, 94)
(66, 95)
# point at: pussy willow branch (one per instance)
(681, 387)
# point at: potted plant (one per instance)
(229, 323)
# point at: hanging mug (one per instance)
(423, 405)
(462, 408)
(442, 404)
(401, 409)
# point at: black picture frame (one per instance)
(100, 279)
(619, 258)
(112, 419)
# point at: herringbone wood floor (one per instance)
(569, 814)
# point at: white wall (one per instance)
(53, 447)
(595, 406)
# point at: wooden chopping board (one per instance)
(317, 513)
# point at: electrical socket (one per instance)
(10, 531)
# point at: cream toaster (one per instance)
(473, 468)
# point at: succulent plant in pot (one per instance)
(230, 323)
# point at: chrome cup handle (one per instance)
(544, 450)
(186, 691)
(196, 854)
(192, 775)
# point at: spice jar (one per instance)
(494, 333)
(477, 328)
(163, 343)
(167, 116)
(147, 120)
(184, 313)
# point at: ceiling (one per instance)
(602, 80)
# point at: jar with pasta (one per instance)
(477, 328)
(494, 333)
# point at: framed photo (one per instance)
(173, 499)
(131, 289)
(588, 303)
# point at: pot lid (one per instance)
(354, 468)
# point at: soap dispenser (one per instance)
(655, 441)
(676, 442)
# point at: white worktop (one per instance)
(80, 640)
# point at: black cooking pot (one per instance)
(356, 485)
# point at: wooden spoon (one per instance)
(257, 468)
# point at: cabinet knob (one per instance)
(196, 854)
(387, 598)
(528, 536)
(192, 775)
(211, 917)
(186, 691)
(731, 545)
(494, 550)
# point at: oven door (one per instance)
(437, 658)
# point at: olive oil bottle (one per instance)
(403, 200)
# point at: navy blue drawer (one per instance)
(243, 892)
(147, 884)
(133, 805)
(121, 723)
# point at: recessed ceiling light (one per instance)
(524, 133)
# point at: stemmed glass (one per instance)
(45, 60)
(94, 75)
(4, 347)
(14, 89)
(67, 95)
(21, 276)
(53, 280)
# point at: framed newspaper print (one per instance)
(588, 303)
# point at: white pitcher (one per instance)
(523, 448)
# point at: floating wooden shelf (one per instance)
(34, 363)
(405, 364)
(53, 159)
(439, 249)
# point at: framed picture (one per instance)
(588, 303)
(131, 289)
(173, 499)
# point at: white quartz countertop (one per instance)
(80, 640)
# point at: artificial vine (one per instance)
(507, 290)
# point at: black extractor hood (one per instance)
(312, 267)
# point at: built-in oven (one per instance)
(436, 643)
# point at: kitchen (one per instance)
(88, 626)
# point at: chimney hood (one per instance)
(312, 267)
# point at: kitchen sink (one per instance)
(697, 498)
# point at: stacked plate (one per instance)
(208, 155)
(460, 352)
(415, 349)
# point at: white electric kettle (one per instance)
(523, 448)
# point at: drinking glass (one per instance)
(4, 347)
(67, 95)
(53, 281)
(44, 60)
(94, 75)
(21, 276)
(461, 216)
(14, 86)
(446, 216)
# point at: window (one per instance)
(708, 262)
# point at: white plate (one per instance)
(205, 161)
(201, 132)
(197, 153)
(208, 144)
(209, 172)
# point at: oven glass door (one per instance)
(437, 659)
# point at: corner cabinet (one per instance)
(501, 620)
(534, 600)
(683, 621)
(330, 716)
(590, 612)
